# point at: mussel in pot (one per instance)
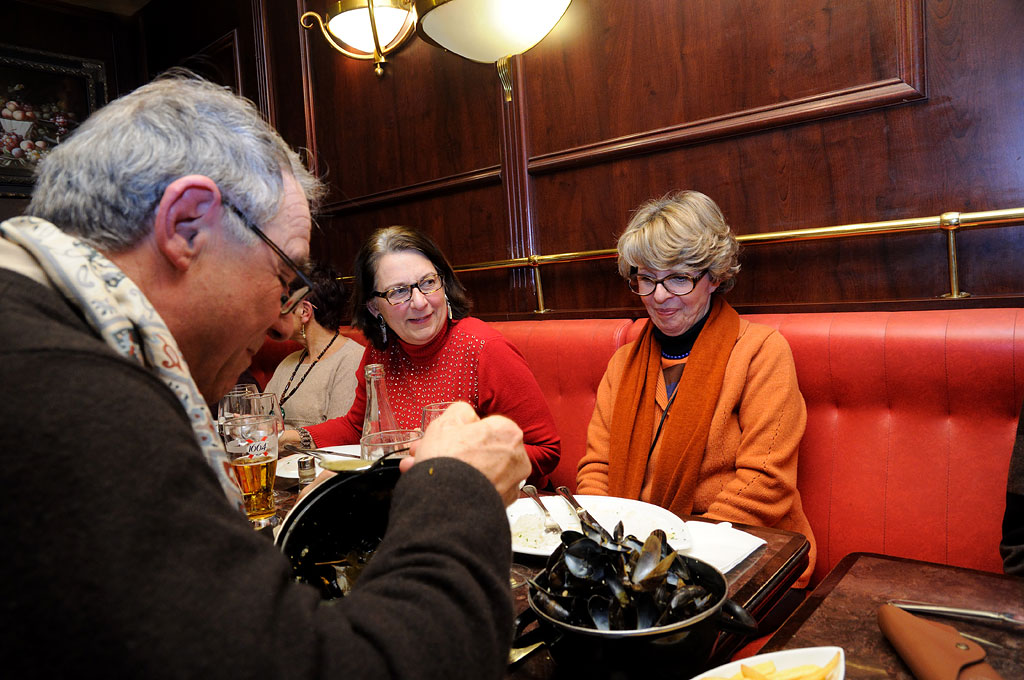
(610, 605)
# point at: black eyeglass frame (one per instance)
(410, 286)
(634, 284)
(291, 300)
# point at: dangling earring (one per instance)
(303, 331)
(383, 329)
(449, 304)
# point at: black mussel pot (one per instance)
(344, 516)
(679, 650)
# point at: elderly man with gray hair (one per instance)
(155, 255)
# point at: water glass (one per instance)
(379, 444)
(432, 412)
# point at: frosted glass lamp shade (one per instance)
(488, 30)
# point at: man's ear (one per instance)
(189, 208)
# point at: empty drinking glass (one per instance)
(386, 442)
(433, 411)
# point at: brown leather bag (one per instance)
(933, 651)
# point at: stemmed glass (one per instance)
(231, 403)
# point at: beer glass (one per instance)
(251, 444)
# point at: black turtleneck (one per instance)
(678, 346)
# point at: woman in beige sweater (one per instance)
(701, 414)
(319, 381)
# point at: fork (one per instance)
(550, 525)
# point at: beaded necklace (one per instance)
(285, 394)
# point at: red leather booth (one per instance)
(911, 418)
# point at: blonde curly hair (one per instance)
(684, 230)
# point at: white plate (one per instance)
(288, 467)
(787, 658)
(638, 518)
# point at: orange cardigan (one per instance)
(749, 470)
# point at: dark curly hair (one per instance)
(389, 240)
(328, 296)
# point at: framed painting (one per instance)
(43, 98)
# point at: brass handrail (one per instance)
(949, 222)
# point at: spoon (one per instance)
(356, 465)
(550, 525)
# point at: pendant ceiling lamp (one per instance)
(365, 29)
(488, 31)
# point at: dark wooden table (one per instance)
(757, 584)
(842, 611)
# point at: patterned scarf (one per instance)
(687, 426)
(120, 313)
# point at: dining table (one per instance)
(758, 583)
(843, 611)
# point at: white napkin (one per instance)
(720, 544)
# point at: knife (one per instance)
(956, 612)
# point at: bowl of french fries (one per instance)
(806, 663)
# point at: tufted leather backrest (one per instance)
(568, 358)
(911, 418)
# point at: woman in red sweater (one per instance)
(415, 313)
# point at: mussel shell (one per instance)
(586, 560)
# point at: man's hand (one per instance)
(493, 445)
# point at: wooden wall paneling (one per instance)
(992, 261)
(79, 32)
(283, 37)
(225, 33)
(960, 150)
(432, 115)
(525, 285)
(665, 73)
(468, 225)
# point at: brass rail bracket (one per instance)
(950, 222)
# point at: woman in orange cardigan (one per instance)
(702, 414)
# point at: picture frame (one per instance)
(43, 97)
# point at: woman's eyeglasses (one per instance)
(431, 283)
(677, 284)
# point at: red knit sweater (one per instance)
(469, 361)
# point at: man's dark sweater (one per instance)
(122, 555)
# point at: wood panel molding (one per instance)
(443, 185)
(906, 85)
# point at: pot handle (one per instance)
(525, 644)
(735, 619)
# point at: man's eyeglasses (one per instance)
(430, 283)
(677, 284)
(291, 300)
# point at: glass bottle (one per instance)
(378, 409)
